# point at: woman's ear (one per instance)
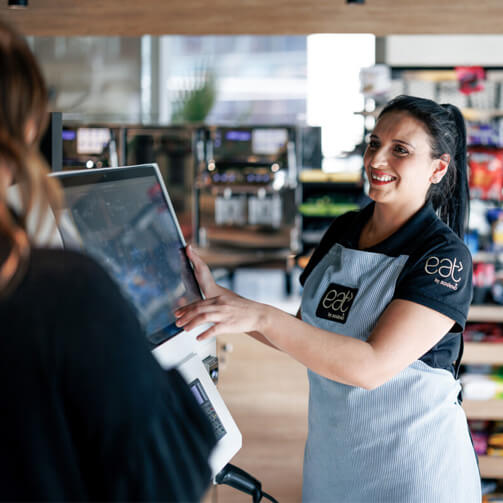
(440, 167)
(30, 131)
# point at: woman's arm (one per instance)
(264, 340)
(404, 332)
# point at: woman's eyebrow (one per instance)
(404, 142)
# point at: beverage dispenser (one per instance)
(246, 189)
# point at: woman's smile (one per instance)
(378, 177)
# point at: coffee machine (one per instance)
(246, 189)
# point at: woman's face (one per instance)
(398, 161)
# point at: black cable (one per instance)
(269, 497)
(236, 477)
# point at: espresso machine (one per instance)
(245, 196)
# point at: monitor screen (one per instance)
(124, 219)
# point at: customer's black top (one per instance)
(86, 411)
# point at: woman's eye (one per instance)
(401, 150)
(373, 144)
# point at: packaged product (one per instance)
(486, 173)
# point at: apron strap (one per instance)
(457, 364)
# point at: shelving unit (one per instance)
(492, 410)
(477, 353)
(491, 467)
(327, 188)
(482, 353)
(487, 313)
(485, 107)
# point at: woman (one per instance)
(87, 413)
(385, 299)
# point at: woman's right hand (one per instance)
(203, 275)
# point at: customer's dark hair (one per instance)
(446, 127)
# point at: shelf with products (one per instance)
(483, 353)
(483, 113)
(481, 385)
(477, 91)
(322, 197)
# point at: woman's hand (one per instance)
(203, 275)
(229, 313)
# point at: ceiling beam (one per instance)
(260, 17)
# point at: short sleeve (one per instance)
(440, 279)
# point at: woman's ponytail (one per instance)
(457, 207)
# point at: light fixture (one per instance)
(17, 4)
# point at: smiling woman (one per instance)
(385, 300)
(398, 161)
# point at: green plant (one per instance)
(195, 103)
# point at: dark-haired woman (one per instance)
(386, 296)
(87, 413)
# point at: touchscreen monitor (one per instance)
(123, 218)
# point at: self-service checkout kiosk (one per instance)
(124, 218)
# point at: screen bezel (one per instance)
(79, 178)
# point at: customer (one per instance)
(87, 413)
(385, 299)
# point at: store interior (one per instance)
(259, 139)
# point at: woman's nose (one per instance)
(378, 159)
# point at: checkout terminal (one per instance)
(123, 217)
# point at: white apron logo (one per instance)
(336, 302)
(447, 271)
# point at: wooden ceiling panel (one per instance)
(261, 17)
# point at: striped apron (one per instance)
(406, 441)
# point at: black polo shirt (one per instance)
(437, 273)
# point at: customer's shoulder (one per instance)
(57, 259)
(58, 266)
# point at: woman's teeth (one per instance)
(383, 178)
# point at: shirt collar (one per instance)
(401, 239)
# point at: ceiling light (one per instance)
(18, 4)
